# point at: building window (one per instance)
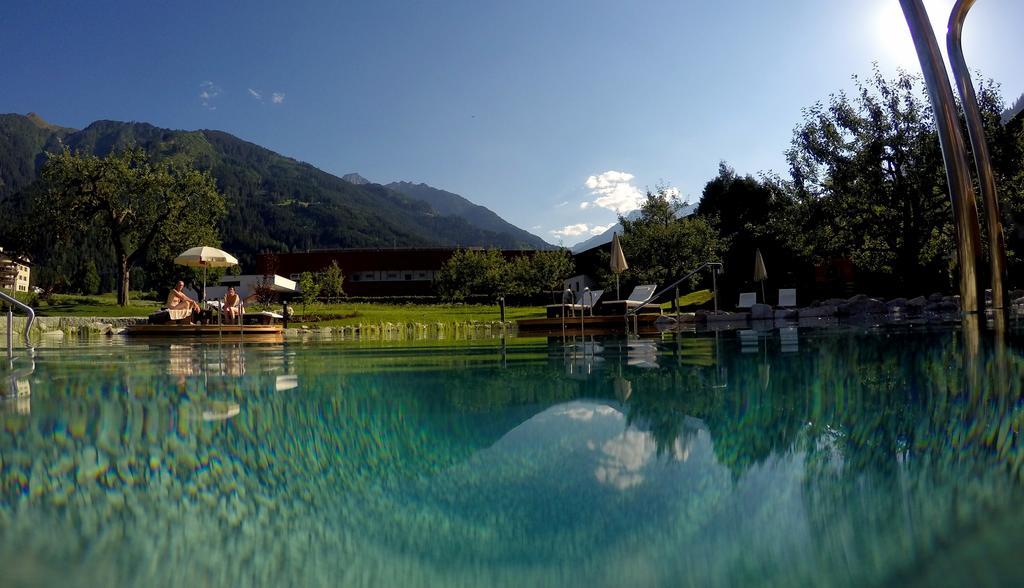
(408, 277)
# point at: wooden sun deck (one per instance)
(615, 323)
(172, 330)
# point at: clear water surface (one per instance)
(784, 457)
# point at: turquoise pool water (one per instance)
(779, 458)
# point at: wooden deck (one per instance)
(601, 324)
(261, 332)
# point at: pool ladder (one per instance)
(12, 303)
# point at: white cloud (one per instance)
(208, 92)
(581, 229)
(614, 191)
(277, 97)
(256, 94)
(571, 230)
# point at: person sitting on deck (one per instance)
(232, 304)
(178, 301)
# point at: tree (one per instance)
(661, 247)
(752, 213)
(89, 278)
(869, 173)
(138, 205)
(331, 282)
(473, 272)
(309, 288)
(541, 271)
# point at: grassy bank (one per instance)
(100, 305)
(105, 305)
(373, 313)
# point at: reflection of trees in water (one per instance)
(865, 400)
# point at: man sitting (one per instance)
(180, 305)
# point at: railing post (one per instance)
(714, 286)
(954, 155)
(10, 333)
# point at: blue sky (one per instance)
(524, 107)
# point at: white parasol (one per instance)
(618, 262)
(205, 257)
(760, 273)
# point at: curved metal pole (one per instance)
(954, 152)
(30, 316)
(982, 161)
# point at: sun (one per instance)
(890, 35)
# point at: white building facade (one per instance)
(14, 272)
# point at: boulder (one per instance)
(896, 303)
(97, 327)
(787, 313)
(918, 302)
(818, 311)
(861, 305)
(762, 311)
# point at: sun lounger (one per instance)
(747, 300)
(586, 302)
(787, 297)
(165, 315)
(637, 297)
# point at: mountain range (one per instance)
(275, 203)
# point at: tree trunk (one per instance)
(122, 282)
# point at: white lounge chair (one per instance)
(787, 297)
(586, 301)
(638, 296)
(747, 300)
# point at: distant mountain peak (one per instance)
(448, 203)
(354, 178)
(41, 123)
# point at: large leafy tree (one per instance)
(869, 172)
(138, 206)
(470, 271)
(539, 272)
(750, 214)
(661, 247)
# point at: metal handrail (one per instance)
(716, 265)
(31, 314)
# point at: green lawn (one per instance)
(373, 313)
(101, 305)
(353, 313)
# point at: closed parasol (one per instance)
(618, 262)
(760, 273)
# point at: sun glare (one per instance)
(892, 43)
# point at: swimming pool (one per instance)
(840, 457)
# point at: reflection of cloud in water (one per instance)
(578, 412)
(625, 456)
(622, 458)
